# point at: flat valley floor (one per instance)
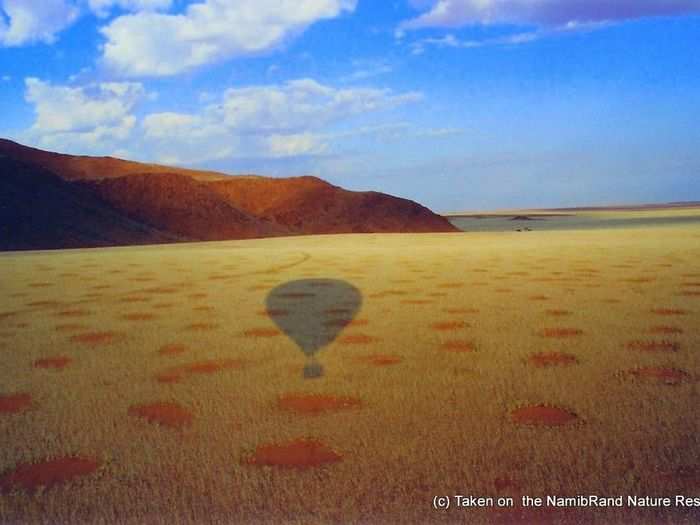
(352, 379)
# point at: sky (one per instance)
(457, 104)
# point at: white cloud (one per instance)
(302, 104)
(264, 121)
(103, 7)
(451, 41)
(158, 44)
(29, 21)
(552, 13)
(270, 121)
(82, 119)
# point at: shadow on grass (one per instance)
(313, 312)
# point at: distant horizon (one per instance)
(457, 104)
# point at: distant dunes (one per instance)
(49, 200)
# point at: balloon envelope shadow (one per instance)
(313, 312)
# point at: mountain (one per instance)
(50, 200)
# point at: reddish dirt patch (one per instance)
(665, 330)
(669, 311)
(94, 338)
(690, 293)
(45, 304)
(547, 359)
(32, 476)
(450, 285)
(177, 374)
(558, 313)
(316, 403)
(666, 375)
(561, 333)
(542, 415)
(380, 359)
(70, 327)
(53, 362)
(73, 313)
(458, 311)
(134, 299)
(538, 298)
(202, 327)
(162, 290)
(172, 349)
(199, 295)
(654, 346)
(258, 333)
(358, 339)
(300, 453)
(166, 414)
(458, 347)
(14, 403)
(138, 316)
(447, 326)
(160, 306)
(417, 301)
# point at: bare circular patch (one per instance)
(547, 359)
(260, 333)
(380, 359)
(139, 316)
(202, 327)
(94, 338)
(558, 313)
(653, 346)
(73, 313)
(14, 403)
(177, 374)
(70, 327)
(669, 311)
(660, 374)
(459, 311)
(358, 339)
(316, 403)
(665, 330)
(542, 415)
(300, 453)
(458, 347)
(163, 413)
(172, 349)
(32, 476)
(561, 333)
(447, 326)
(57, 362)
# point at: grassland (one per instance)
(150, 385)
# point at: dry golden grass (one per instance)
(488, 364)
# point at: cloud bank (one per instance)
(551, 13)
(157, 44)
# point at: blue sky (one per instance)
(458, 104)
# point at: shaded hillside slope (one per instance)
(180, 205)
(311, 205)
(38, 210)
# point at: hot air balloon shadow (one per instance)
(313, 312)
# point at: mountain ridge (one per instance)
(137, 203)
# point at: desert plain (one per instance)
(157, 384)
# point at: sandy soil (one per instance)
(164, 385)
